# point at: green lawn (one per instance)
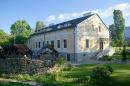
(80, 76)
(120, 76)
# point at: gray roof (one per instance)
(63, 25)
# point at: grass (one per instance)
(80, 76)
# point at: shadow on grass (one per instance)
(13, 84)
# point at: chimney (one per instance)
(87, 14)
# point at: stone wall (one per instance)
(25, 65)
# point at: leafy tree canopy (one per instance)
(39, 25)
(5, 39)
(21, 30)
(119, 28)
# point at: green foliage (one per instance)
(105, 58)
(60, 61)
(21, 31)
(80, 76)
(5, 39)
(39, 25)
(124, 54)
(101, 72)
(119, 27)
(109, 68)
(47, 79)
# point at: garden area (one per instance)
(79, 75)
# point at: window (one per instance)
(99, 28)
(39, 44)
(52, 43)
(47, 42)
(36, 44)
(58, 43)
(84, 54)
(87, 43)
(68, 57)
(43, 43)
(65, 43)
(92, 27)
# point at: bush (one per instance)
(109, 68)
(105, 58)
(101, 72)
(60, 61)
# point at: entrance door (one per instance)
(101, 45)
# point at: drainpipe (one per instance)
(74, 47)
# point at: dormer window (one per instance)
(59, 26)
(48, 29)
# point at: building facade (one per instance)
(77, 40)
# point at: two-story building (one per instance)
(79, 39)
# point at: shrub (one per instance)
(105, 58)
(109, 68)
(60, 61)
(101, 72)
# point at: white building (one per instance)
(78, 40)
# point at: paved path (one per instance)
(33, 83)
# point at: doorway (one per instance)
(101, 45)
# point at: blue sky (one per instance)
(55, 11)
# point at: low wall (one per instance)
(24, 65)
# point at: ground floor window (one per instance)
(68, 57)
(58, 43)
(87, 43)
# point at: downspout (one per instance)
(74, 46)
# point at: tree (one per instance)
(21, 31)
(112, 34)
(39, 25)
(119, 26)
(5, 39)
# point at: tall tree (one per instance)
(39, 25)
(21, 31)
(119, 25)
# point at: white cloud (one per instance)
(104, 13)
(51, 18)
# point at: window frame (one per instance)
(58, 43)
(87, 43)
(65, 43)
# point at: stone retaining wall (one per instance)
(25, 65)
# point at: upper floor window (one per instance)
(36, 44)
(58, 43)
(87, 43)
(92, 27)
(39, 44)
(99, 28)
(65, 43)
